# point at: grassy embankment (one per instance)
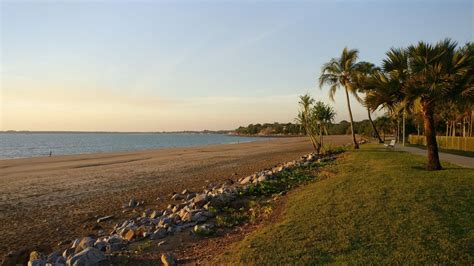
(379, 206)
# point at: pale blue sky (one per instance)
(174, 65)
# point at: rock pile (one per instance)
(191, 210)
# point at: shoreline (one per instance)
(151, 149)
(61, 196)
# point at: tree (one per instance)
(361, 75)
(306, 119)
(323, 115)
(424, 75)
(338, 72)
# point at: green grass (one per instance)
(456, 152)
(380, 207)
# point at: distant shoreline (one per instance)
(114, 132)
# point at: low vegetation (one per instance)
(376, 206)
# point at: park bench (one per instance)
(391, 144)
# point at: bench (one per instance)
(391, 144)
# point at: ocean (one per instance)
(25, 145)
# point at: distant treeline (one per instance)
(342, 128)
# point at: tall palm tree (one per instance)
(362, 74)
(427, 75)
(338, 72)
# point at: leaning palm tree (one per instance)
(364, 70)
(338, 72)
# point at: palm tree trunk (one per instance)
(373, 126)
(356, 145)
(430, 134)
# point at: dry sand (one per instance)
(50, 199)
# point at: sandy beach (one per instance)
(49, 199)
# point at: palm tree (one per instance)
(364, 70)
(338, 72)
(323, 114)
(305, 119)
(427, 75)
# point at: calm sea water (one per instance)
(38, 144)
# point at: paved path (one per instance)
(452, 158)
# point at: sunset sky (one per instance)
(193, 65)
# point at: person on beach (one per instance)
(50, 153)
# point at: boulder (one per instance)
(159, 233)
(133, 203)
(69, 252)
(246, 180)
(204, 229)
(38, 262)
(155, 214)
(84, 243)
(89, 256)
(165, 221)
(53, 257)
(35, 255)
(100, 245)
(168, 260)
(262, 178)
(200, 200)
(129, 235)
(177, 197)
(199, 217)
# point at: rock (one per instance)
(53, 257)
(177, 197)
(83, 244)
(159, 233)
(69, 252)
(184, 192)
(168, 260)
(105, 218)
(262, 178)
(186, 216)
(75, 242)
(89, 256)
(246, 180)
(204, 229)
(200, 199)
(165, 221)
(35, 255)
(200, 217)
(129, 235)
(37, 262)
(133, 203)
(175, 209)
(146, 213)
(16, 257)
(112, 247)
(100, 245)
(155, 214)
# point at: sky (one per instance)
(194, 65)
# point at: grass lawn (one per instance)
(380, 207)
(456, 152)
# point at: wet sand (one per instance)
(49, 199)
